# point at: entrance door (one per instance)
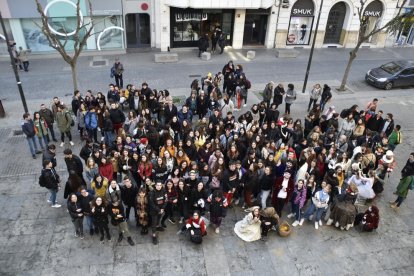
(138, 33)
(254, 29)
(335, 23)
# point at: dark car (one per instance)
(392, 74)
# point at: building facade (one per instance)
(168, 24)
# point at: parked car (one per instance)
(392, 74)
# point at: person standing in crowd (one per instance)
(85, 198)
(76, 101)
(128, 194)
(41, 130)
(23, 59)
(28, 129)
(51, 181)
(74, 163)
(99, 211)
(117, 213)
(47, 115)
(314, 95)
(117, 71)
(76, 213)
(290, 98)
(218, 204)
(222, 42)
(117, 117)
(91, 124)
(157, 203)
(395, 138)
(268, 92)
(214, 39)
(298, 200)
(64, 121)
(50, 154)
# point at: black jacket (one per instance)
(48, 155)
(85, 201)
(100, 215)
(169, 114)
(266, 182)
(157, 201)
(50, 178)
(72, 209)
(128, 195)
(114, 211)
(117, 116)
(74, 164)
(28, 129)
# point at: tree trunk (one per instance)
(74, 75)
(352, 56)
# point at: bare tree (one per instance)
(80, 36)
(391, 27)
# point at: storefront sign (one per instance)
(374, 9)
(303, 12)
(182, 17)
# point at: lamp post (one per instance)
(312, 48)
(14, 65)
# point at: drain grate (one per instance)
(99, 63)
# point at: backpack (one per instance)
(41, 179)
(248, 84)
(344, 113)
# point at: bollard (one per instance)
(2, 113)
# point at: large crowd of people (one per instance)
(187, 163)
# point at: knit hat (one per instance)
(388, 157)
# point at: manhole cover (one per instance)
(17, 132)
(194, 76)
(99, 63)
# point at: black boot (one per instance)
(108, 236)
(91, 231)
(154, 240)
(102, 238)
(97, 230)
(120, 238)
(130, 241)
(144, 230)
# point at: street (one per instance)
(38, 240)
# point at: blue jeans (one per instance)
(89, 221)
(296, 210)
(109, 137)
(264, 195)
(32, 144)
(312, 208)
(52, 198)
(41, 140)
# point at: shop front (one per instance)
(335, 23)
(373, 14)
(301, 23)
(255, 26)
(187, 25)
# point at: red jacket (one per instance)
(145, 170)
(371, 220)
(278, 186)
(107, 171)
(196, 223)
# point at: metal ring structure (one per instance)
(62, 1)
(98, 41)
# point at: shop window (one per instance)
(111, 38)
(186, 25)
(301, 22)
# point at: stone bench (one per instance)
(166, 57)
(206, 56)
(286, 53)
(251, 54)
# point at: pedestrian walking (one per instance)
(117, 71)
(47, 115)
(51, 181)
(23, 59)
(289, 98)
(202, 44)
(326, 96)
(314, 95)
(28, 129)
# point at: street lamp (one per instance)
(14, 65)
(312, 48)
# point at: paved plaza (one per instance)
(38, 240)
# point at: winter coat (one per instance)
(299, 196)
(278, 93)
(74, 164)
(278, 186)
(47, 115)
(113, 195)
(157, 201)
(267, 93)
(117, 116)
(100, 188)
(100, 215)
(91, 172)
(290, 96)
(63, 119)
(91, 120)
(29, 128)
(40, 127)
(128, 195)
(73, 209)
(315, 93)
(404, 186)
(85, 201)
(50, 178)
(106, 171)
(217, 208)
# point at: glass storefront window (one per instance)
(299, 30)
(112, 38)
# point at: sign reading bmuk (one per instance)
(373, 13)
(374, 9)
(303, 12)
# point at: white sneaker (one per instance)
(217, 230)
(56, 206)
(316, 226)
(49, 201)
(301, 222)
(62, 144)
(71, 143)
(291, 215)
(320, 223)
(337, 224)
(102, 139)
(295, 223)
(329, 222)
(311, 217)
(245, 105)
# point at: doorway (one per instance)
(138, 33)
(335, 23)
(255, 26)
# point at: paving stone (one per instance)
(125, 254)
(33, 227)
(147, 252)
(95, 255)
(125, 269)
(194, 266)
(148, 267)
(101, 269)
